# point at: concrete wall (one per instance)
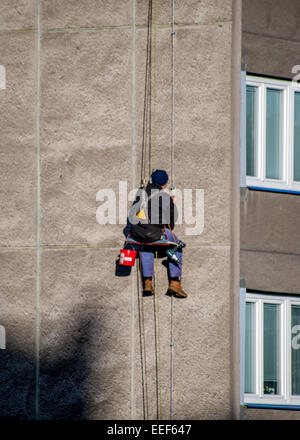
(270, 414)
(269, 227)
(71, 124)
(269, 241)
(271, 36)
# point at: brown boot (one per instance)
(148, 286)
(176, 289)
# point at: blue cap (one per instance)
(160, 177)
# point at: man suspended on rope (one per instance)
(155, 220)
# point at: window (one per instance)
(272, 349)
(273, 133)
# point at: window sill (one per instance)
(273, 406)
(284, 191)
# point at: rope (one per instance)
(150, 86)
(153, 163)
(171, 347)
(157, 347)
(173, 186)
(146, 138)
(149, 139)
(156, 351)
(171, 360)
(149, 118)
(142, 344)
(173, 100)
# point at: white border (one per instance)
(289, 89)
(285, 397)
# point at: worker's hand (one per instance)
(174, 198)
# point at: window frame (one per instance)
(288, 88)
(285, 397)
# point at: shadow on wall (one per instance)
(63, 390)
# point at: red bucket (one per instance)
(127, 257)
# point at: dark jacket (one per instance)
(159, 210)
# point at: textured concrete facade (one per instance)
(269, 241)
(271, 36)
(269, 221)
(71, 124)
(269, 227)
